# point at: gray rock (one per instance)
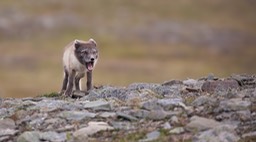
(37, 136)
(190, 82)
(7, 124)
(7, 127)
(139, 86)
(48, 105)
(53, 124)
(204, 100)
(172, 82)
(8, 132)
(82, 134)
(234, 104)
(151, 136)
(66, 128)
(244, 115)
(142, 95)
(126, 116)
(122, 125)
(29, 136)
(107, 114)
(3, 113)
(250, 134)
(141, 113)
(37, 119)
(168, 104)
(221, 133)
(98, 105)
(76, 115)
(157, 115)
(219, 85)
(107, 92)
(174, 120)
(151, 105)
(52, 136)
(200, 124)
(177, 130)
(167, 126)
(4, 138)
(167, 91)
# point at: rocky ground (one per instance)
(209, 109)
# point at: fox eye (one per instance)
(84, 52)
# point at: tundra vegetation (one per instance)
(139, 41)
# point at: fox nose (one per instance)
(92, 59)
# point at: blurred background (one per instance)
(139, 41)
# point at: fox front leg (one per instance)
(89, 80)
(71, 77)
(78, 81)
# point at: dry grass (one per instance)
(31, 65)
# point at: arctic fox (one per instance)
(79, 57)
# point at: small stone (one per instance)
(139, 86)
(151, 105)
(190, 82)
(167, 91)
(76, 115)
(177, 130)
(172, 82)
(98, 105)
(168, 104)
(151, 136)
(211, 77)
(244, 115)
(167, 126)
(79, 94)
(157, 115)
(126, 116)
(66, 128)
(201, 124)
(174, 120)
(3, 112)
(107, 114)
(122, 125)
(141, 113)
(52, 136)
(204, 100)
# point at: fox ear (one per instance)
(77, 44)
(92, 41)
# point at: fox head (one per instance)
(87, 53)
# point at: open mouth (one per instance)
(89, 66)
